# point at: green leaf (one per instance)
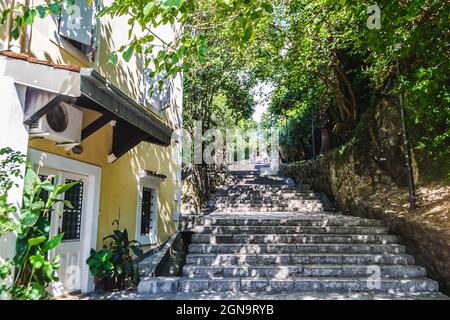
(148, 7)
(68, 204)
(64, 187)
(29, 16)
(31, 178)
(28, 217)
(168, 4)
(35, 241)
(249, 32)
(42, 11)
(109, 266)
(128, 53)
(48, 269)
(38, 205)
(37, 261)
(52, 242)
(48, 186)
(112, 58)
(21, 250)
(5, 14)
(137, 251)
(55, 8)
(267, 7)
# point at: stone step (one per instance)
(287, 271)
(345, 221)
(302, 284)
(262, 181)
(316, 209)
(266, 195)
(294, 259)
(292, 238)
(297, 248)
(236, 229)
(268, 203)
(269, 208)
(247, 198)
(261, 190)
(255, 183)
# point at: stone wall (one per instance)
(364, 177)
(357, 189)
(199, 183)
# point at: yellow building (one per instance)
(94, 121)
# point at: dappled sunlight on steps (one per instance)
(267, 237)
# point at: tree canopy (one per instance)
(329, 61)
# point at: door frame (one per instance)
(93, 174)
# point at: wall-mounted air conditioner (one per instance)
(62, 124)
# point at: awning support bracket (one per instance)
(42, 111)
(96, 125)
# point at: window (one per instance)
(77, 25)
(71, 220)
(147, 210)
(154, 94)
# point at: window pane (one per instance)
(147, 208)
(154, 94)
(76, 22)
(71, 220)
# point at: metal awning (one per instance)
(118, 104)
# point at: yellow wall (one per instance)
(119, 187)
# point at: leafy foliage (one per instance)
(10, 165)
(317, 52)
(34, 268)
(329, 58)
(114, 263)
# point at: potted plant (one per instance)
(113, 266)
(101, 266)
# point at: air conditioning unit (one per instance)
(62, 124)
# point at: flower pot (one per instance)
(113, 284)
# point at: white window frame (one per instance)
(65, 43)
(154, 184)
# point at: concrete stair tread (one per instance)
(300, 234)
(295, 248)
(298, 254)
(297, 259)
(289, 271)
(283, 230)
(298, 238)
(271, 296)
(318, 284)
(286, 220)
(382, 266)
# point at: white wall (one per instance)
(13, 134)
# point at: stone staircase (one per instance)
(266, 235)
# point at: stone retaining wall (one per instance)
(354, 187)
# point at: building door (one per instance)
(70, 221)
